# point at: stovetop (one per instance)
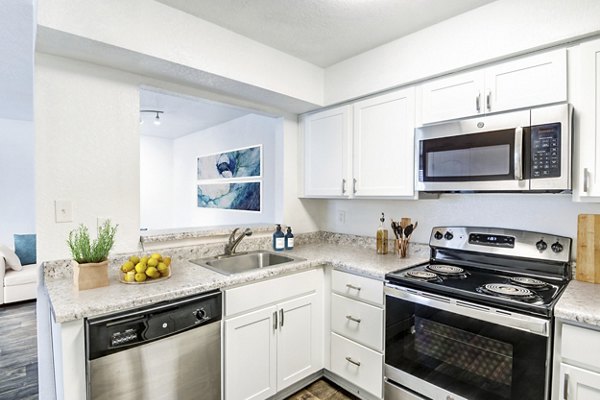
(511, 269)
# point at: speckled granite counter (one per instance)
(580, 302)
(187, 278)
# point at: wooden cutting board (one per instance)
(588, 248)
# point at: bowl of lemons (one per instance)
(145, 269)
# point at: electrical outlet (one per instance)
(63, 211)
(341, 216)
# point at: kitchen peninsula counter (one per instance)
(344, 252)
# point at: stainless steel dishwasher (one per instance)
(168, 351)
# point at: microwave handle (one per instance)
(518, 156)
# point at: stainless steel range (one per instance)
(476, 321)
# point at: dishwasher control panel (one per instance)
(109, 334)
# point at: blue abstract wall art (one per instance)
(241, 163)
(233, 196)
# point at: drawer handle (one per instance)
(351, 318)
(350, 286)
(351, 361)
(275, 321)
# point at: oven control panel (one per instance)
(545, 151)
(509, 242)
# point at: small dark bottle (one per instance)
(289, 239)
(278, 239)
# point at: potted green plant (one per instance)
(90, 257)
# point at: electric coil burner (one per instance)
(475, 322)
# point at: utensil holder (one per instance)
(401, 247)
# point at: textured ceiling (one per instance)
(182, 115)
(16, 59)
(324, 32)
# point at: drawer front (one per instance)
(581, 345)
(357, 364)
(358, 287)
(262, 293)
(358, 321)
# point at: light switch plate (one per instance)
(63, 210)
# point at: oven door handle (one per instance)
(518, 155)
(492, 315)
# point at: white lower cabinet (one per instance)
(269, 349)
(577, 366)
(357, 328)
(578, 383)
(357, 364)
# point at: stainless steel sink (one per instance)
(244, 262)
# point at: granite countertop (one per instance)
(187, 278)
(580, 303)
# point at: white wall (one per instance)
(496, 30)
(549, 213)
(247, 131)
(17, 198)
(156, 182)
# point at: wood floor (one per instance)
(18, 352)
(322, 390)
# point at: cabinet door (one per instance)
(578, 384)
(250, 355)
(326, 152)
(587, 137)
(526, 82)
(384, 145)
(457, 96)
(300, 339)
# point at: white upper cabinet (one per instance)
(365, 149)
(326, 153)
(525, 82)
(587, 138)
(384, 145)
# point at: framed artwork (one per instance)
(231, 180)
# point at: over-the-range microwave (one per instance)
(519, 151)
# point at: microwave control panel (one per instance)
(545, 151)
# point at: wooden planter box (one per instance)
(90, 275)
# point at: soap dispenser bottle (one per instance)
(289, 239)
(382, 237)
(278, 239)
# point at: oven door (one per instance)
(443, 348)
(477, 154)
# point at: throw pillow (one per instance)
(12, 261)
(25, 248)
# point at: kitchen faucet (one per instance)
(233, 242)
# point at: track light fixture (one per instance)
(156, 118)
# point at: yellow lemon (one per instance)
(127, 266)
(140, 277)
(152, 272)
(156, 256)
(162, 267)
(153, 262)
(134, 259)
(140, 267)
(144, 259)
(167, 261)
(130, 276)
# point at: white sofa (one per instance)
(18, 285)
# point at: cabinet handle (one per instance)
(281, 318)
(566, 387)
(478, 102)
(488, 100)
(350, 360)
(343, 186)
(275, 321)
(350, 286)
(351, 318)
(586, 182)
(354, 186)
